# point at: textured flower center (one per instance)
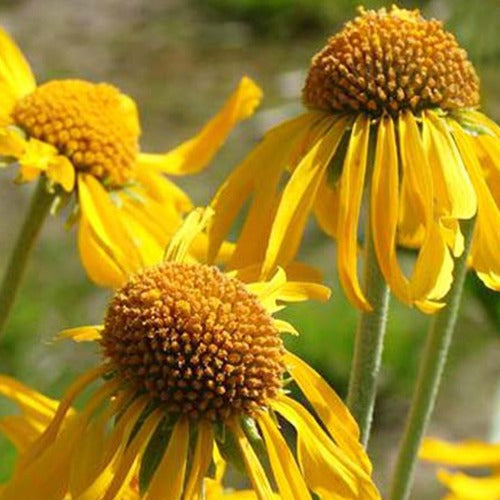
(196, 340)
(94, 125)
(386, 61)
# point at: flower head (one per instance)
(83, 138)
(192, 363)
(468, 455)
(390, 101)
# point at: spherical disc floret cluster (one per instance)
(195, 340)
(94, 125)
(387, 61)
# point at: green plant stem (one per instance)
(369, 341)
(37, 212)
(429, 376)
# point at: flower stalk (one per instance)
(431, 368)
(39, 208)
(369, 341)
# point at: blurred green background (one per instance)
(179, 59)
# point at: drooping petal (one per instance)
(291, 484)
(385, 209)
(97, 261)
(486, 242)
(16, 78)
(299, 195)
(351, 190)
(201, 459)
(254, 468)
(135, 450)
(105, 221)
(168, 480)
(326, 206)
(327, 469)
(266, 161)
(432, 273)
(454, 194)
(330, 408)
(113, 450)
(64, 406)
(193, 155)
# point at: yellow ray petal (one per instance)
(194, 224)
(254, 469)
(193, 155)
(134, 451)
(385, 209)
(33, 404)
(201, 459)
(291, 484)
(351, 190)
(161, 189)
(113, 450)
(20, 431)
(486, 242)
(299, 291)
(105, 221)
(61, 171)
(81, 333)
(327, 469)
(299, 195)
(470, 453)
(329, 407)
(326, 207)
(454, 193)
(471, 488)
(168, 480)
(12, 143)
(432, 274)
(97, 260)
(16, 78)
(64, 406)
(272, 153)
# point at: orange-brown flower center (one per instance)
(94, 125)
(196, 340)
(386, 61)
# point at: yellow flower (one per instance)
(193, 360)
(84, 138)
(391, 102)
(467, 454)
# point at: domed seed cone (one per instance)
(195, 340)
(94, 125)
(388, 61)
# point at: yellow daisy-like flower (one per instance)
(192, 360)
(391, 101)
(469, 455)
(84, 137)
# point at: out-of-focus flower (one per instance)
(467, 455)
(84, 138)
(392, 104)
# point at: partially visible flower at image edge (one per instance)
(193, 360)
(392, 102)
(471, 454)
(84, 138)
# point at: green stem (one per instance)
(369, 341)
(38, 210)
(429, 377)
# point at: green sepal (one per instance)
(228, 447)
